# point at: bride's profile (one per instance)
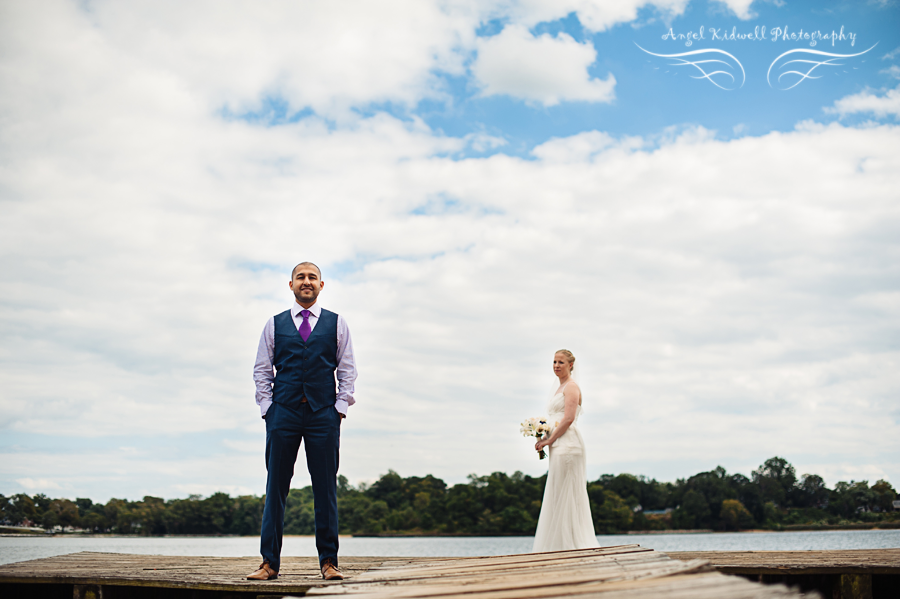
(565, 521)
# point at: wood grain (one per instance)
(852, 561)
(628, 571)
(622, 572)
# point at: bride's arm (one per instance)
(572, 395)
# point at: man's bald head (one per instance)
(294, 271)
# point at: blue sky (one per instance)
(651, 96)
(482, 184)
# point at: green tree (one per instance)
(299, 515)
(148, 516)
(490, 504)
(610, 512)
(196, 515)
(693, 512)
(356, 515)
(247, 517)
(66, 512)
(41, 504)
(810, 492)
(773, 515)
(93, 522)
(19, 509)
(626, 486)
(734, 516)
(776, 478)
(884, 495)
(49, 519)
(463, 508)
(715, 487)
(111, 512)
(84, 505)
(749, 494)
(388, 488)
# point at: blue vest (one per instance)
(305, 368)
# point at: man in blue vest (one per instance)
(302, 353)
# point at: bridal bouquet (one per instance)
(537, 428)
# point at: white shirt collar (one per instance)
(315, 309)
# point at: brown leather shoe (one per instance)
(330, 571)
(264, 573)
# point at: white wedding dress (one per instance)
(565, 521)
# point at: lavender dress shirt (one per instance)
(264, 371)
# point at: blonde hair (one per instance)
(570, 357)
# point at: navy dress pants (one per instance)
(321, 433)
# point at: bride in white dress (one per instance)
(565, 521)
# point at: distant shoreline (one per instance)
(836, 527)
(400, 535)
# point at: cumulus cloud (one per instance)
(41, 484)
(327, 57)
(594, 15)
(719, 295)
(542, 68)
(867, 102)
(582, 147)
(714, 309)
(741, 8)
(893, 71)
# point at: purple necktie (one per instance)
(304, 329)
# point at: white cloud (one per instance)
(714, 309)
(729, 301)
(104, 474)
(893, 71)
(741, 8)
(543, 69)
(198, 489)
(326, 56)
(594, 15)
(582, 147)
(39, 485)
(867, 102)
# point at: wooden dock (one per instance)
(865, 573)
(623, 572)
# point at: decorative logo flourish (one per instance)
(724, 77)
(812, 62)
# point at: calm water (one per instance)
(15, 549)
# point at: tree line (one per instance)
(773, 497)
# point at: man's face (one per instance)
(306, 284)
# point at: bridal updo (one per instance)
(570, 358)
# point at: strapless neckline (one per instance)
(557, 405)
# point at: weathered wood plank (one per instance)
(689, 586)
(626, 572)
(534, 585)
(487, 568)
(851, 561)
(198, 573)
